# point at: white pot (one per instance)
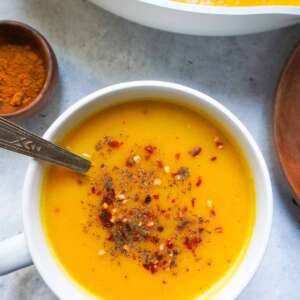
(203, 20)
(14, 252)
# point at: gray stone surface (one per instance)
(96, 49)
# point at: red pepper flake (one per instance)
(177, 156)
(150, 149)
(152, 267)
(130, 162)
(160, 228)
(154, 239)
(214, 158)
(156, 196)
(199, 181)
(200, 230)
(195, 151)
(191, 242)
(193, 202)
(114, 144)
(169, 244)
(213, 213)
(160, 164)
(219, 230)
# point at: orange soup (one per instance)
(166, 212)
(242, 2)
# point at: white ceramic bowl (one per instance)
(14, 252)
(203, 20)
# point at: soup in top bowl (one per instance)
(166, 212)
(242, 2)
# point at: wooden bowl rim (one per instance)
(51, 69)
(295, 189)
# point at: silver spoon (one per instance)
(17, 139)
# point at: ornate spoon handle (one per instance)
(17, 139)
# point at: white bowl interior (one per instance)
(51, 271)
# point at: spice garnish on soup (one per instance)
(155, 217)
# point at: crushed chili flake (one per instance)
(199, 181)
(152, 267)
(192, 242)
(219, 229)
(193, 202)
(160, 164)
(213, 213)
(214, 158)
(114, 144)
(177, 156)
(156, 196)
(195, 151)
(169, 244)
(150, 149)
(160, 228)
(130, 162)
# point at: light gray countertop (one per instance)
(96, 49)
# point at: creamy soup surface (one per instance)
(242, 2)
(166, 212)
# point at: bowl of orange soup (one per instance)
(177, 204)
(208, 17)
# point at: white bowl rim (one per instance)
(225, 10)
(56, 125)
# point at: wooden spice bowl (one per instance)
(19, 33)
(286, 121)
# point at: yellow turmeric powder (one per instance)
(22, 75)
